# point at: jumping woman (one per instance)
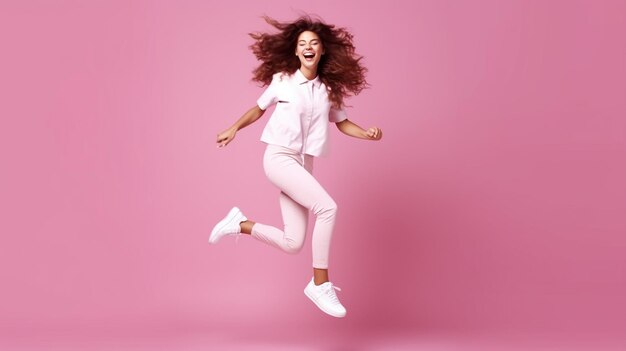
(309, 68)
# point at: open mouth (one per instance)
(308, 56)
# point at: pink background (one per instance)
(492, 208)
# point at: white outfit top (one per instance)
(303, 112)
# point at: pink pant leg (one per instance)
(300, 193)
(295, 217)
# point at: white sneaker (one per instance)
(324, 297)
(228, 226)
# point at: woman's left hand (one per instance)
(374, 133)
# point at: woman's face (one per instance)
(309, 49)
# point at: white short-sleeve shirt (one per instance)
(302, 115)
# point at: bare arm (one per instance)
(347, 127)
(247, 119)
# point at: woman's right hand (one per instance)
(226, 137)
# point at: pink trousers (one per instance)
(300, 193)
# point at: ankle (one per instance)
(246, 227)
(319, 280)
(320, 276)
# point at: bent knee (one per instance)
(294, 248)
(329, 209)
(294, 245)
(333, 207)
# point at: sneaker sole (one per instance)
(322, 308)
(230, 217)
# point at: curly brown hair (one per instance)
(340, 69)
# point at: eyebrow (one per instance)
(309, 40)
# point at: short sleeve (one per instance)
(337, 115)
(268, 98)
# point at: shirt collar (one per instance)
(301, 79)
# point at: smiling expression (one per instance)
(309, 50)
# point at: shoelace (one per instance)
(330, 291)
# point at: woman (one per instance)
(310, 68)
